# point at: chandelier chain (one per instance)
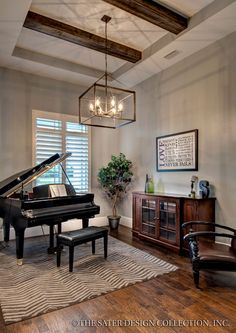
(104, 105)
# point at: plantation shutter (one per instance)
(76, 142)
(48, 141)
(54, 133)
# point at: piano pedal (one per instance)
(53, 250)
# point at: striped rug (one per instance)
(39, 286)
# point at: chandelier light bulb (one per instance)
(91, 107)
(113, 102)
(120, 107)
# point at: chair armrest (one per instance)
(184, 225)
(207, 234)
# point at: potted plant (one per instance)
(114, 179)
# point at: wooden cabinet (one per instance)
(148, 222)
(169, 221)
(158, 217)
(197, 210)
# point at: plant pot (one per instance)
(114, 221)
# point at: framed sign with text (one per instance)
(177, 152)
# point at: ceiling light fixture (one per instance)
(102, 105)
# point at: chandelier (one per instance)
(103, 105)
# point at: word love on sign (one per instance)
(177, 152)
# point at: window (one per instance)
(56, 133)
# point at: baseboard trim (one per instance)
(72, 225)
(126, 221)
(67, 226)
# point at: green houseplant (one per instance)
(114, 179)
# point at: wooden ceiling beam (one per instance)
(75, 35)
(154, 13)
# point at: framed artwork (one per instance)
(177, 152)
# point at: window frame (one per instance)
(63, 118)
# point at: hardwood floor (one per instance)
(169, 300)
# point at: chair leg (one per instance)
(105, 240)
(93, 246)
(71, 258)
(196, 278)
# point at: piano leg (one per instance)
(6, 229)
(59, 228)
(20, 235)
(52, 249)
(85, 222)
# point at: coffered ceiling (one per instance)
(64, 39)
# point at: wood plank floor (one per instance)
(170, 300)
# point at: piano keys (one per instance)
(22, 213)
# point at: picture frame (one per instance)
(177, 152)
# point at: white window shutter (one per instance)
(55, 134)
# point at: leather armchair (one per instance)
(205, 253)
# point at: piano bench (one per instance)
(77, 237)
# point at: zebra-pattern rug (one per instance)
(39, 286)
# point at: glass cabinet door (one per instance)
(168, 220)
(148, 216)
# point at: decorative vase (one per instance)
(146, 184)
(114, 222)
(150, 185)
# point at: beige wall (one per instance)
(21, 93)
(197, 93)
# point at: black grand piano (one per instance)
(23, 212)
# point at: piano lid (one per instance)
(22, 178)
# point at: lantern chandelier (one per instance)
(102, 105)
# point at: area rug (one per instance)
(39, 286)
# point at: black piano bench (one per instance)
(77, 237)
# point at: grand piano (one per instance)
(22, 212)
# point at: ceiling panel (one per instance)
(187, 7)
(123, 28)
(35, 41)
(37, 53)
